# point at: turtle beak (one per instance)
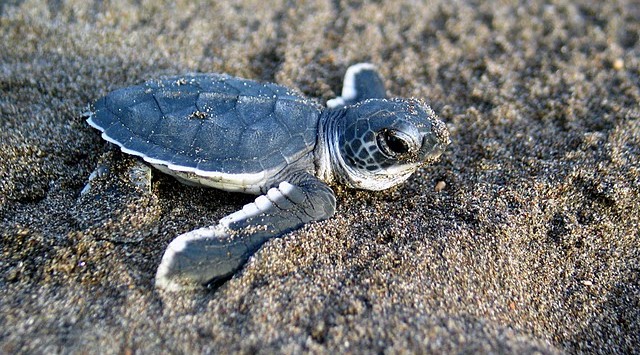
(434, 144)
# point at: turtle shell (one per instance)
(212, 125)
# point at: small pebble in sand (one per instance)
(440, 185)
(618, 64)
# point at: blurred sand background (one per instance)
(532, 246)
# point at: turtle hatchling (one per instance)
(265, 139)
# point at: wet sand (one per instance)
(533, 244)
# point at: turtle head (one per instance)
(381, 142)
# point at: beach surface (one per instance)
(523, 238)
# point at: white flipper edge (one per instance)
(349, 84)
(214, 253)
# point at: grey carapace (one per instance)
(260, 138)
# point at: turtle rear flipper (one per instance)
(361, 82)
(213, 253)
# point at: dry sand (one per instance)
(533, 245)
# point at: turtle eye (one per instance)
(391, 144)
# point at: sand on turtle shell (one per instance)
(532, 245)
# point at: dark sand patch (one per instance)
(533, 245)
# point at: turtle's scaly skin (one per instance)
(241, 135)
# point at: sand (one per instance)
(531, 245)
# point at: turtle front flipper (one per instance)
(213, 253)
(361, 82)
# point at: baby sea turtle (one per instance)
(265, 139)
